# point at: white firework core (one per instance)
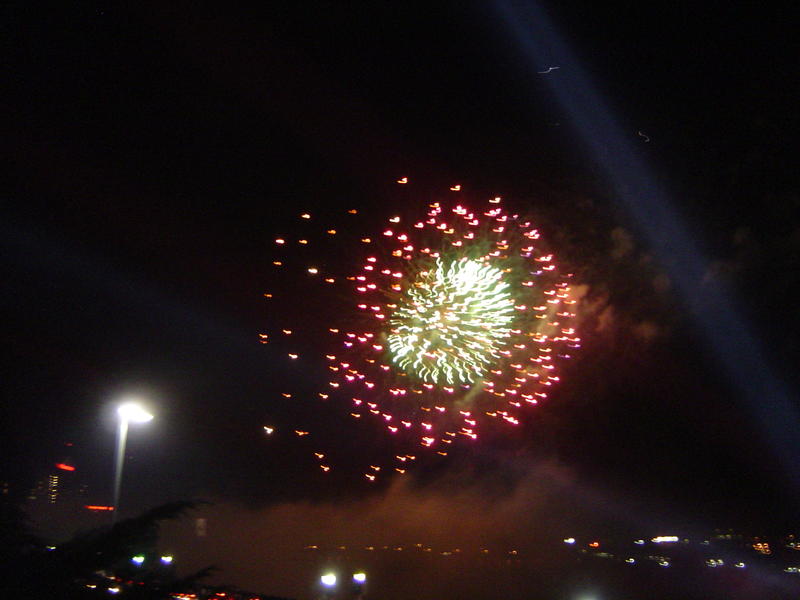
(452, 323)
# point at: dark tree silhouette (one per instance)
(100, 557)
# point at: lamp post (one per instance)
(129, 412)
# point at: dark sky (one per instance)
(154, 153)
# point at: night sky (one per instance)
(154, 153)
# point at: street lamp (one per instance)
(129, 412)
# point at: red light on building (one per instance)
(64, 467)
(98, 508)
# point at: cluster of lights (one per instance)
(139, 559)
(792, 570)
(759, 546)
(592, 547)
(329, 580)
(418, 547)
(762, 548)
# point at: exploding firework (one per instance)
(452, 320)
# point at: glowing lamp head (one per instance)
(138, 559)
(133, 412)
(167, 559)
(328, 580)
(359, 577)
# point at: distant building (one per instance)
(52, 488)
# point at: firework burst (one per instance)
(454, 319)
(452, 322)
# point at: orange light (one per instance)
(64, 467)
(95, 507)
